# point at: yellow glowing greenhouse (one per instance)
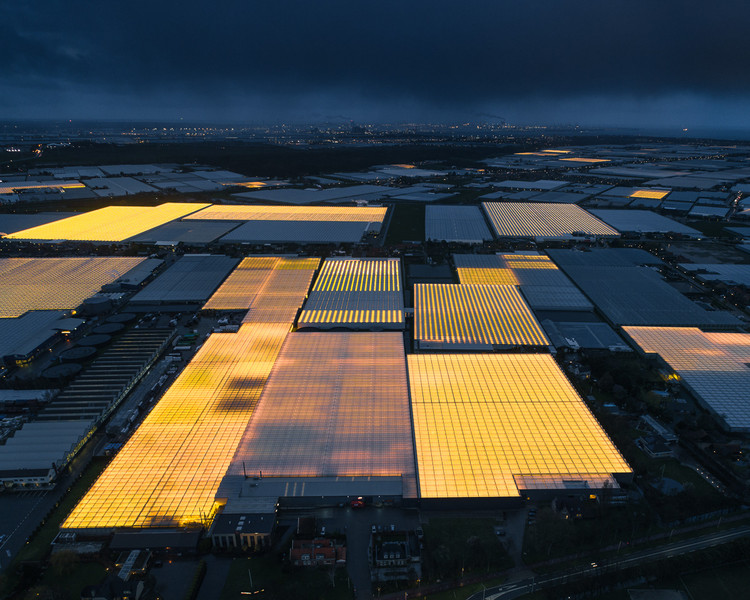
(490, 425)
(168, 472)
(356, 292)
(473, 317)
(232, 212)
(56, 283)
(110, 224)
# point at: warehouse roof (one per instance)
(20, 336)
(39, 445)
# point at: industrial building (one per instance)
(37, 452)
(23, 338)
(103, 384)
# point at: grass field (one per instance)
(71, 584)
(463, 593)
(280, 582)
(674, 470)
(39, 545)
(454, 546)
(407, 224)
(728, 581)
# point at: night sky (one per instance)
(649, 63)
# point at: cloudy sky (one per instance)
(644, 63)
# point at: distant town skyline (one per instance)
(628, 64)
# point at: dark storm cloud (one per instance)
(422, 53)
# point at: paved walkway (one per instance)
(217, 570)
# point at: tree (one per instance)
(64, 562)
(40, 592)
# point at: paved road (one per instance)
(217, 570)
(24, 524)
(526, 586)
